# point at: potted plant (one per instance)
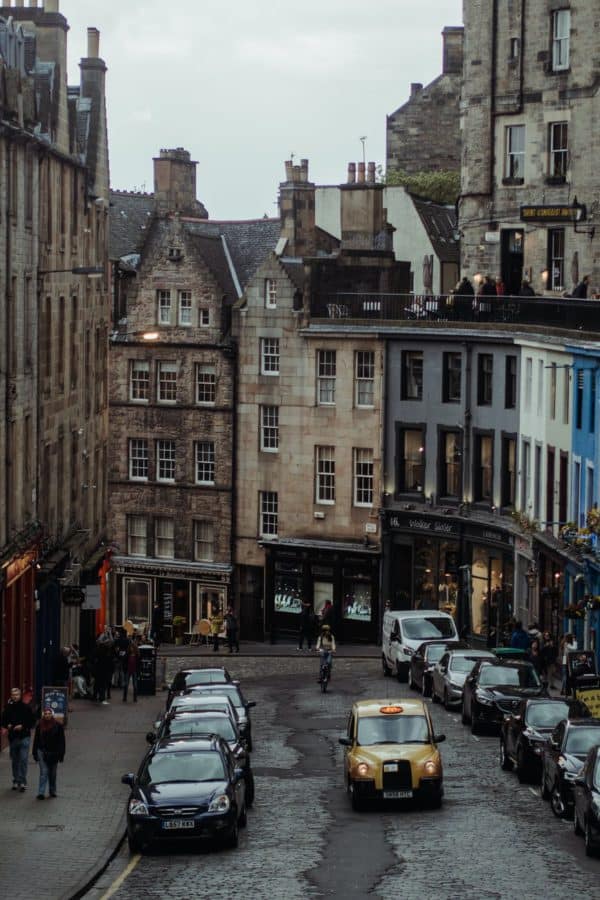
(178, 626)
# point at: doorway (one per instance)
(512, 260)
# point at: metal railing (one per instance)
(553, 312)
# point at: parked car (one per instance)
(495, 688)
(187, 678)
(205, 722)
(562, 761)
(405, 630)
(391, 753)
(448, 676)
(525, 732)
(186, 789)
(242, 706)
(586, 813)
(195, 702)
(424, 659)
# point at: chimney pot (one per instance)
(304, 167)
(289, 170)
(93, 42)
(297, 174)
(361, 173)
(371, 173)
(415, 88)
(351, 173)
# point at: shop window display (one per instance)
(357, 601)
(288, 594)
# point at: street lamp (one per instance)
(148, 336)
(90, 271)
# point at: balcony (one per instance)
(563, 313)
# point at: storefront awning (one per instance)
(168, 568)
(337, 546)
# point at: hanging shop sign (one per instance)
(423, 525)
(553, 213)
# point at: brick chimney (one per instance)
(297, 210)
(362, 211)
(93, 86)
(175, 183)
(452, 37)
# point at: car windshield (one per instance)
(435, 652)
(204, 676)
(420, 629)
(203, 725)
(393, 730)
(518, 676)
(546, 715)
(580, 740)
(461, 663)
(197, 766)
(228, 690)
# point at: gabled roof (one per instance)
(248, 242)
(439, 222)
(130, 216)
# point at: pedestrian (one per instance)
(48, 750)
(500, 288)
(568, 644)
(526, 289)
(121, 650)
(130, 670)
(463, 299)
(487, 289)
(216, 626)
(581, 290)
(103, 669)
(306, 624)
(327, 614)
(548, 656)
(157, 623)
(326, 648)
(519, 639)
(231, 630)
(18, 719)
(535, 656)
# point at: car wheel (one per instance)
(411, 682)
(505, 762)
(590, 847)
(357, 802)
(243, 819)
(134, 845)
(426, 686)
(386, 669)
(577, 829)
(249, 790)
(545, 793)
(233, 838)
(523, 770)
(475, 726)
(446, 700)
(556, 803)
(435, 802)
(401, 674)
(465, 719)
(249, 743)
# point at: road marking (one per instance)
(475, 738)
(534, 793)
(122, 877)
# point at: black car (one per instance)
(424, 659)
(186, 789)
(562, 761)
(524, 733)
(192, 677)
(494, 688)
(242, 706)
(586, 818)
(181, 723)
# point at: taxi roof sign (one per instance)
(390, 710)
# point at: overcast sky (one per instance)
(243, 84)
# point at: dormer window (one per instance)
(270, 293)
(175, 254)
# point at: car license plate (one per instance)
(174, 824)
(397, 795)
(390, 767)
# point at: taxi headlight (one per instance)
(430, 767)
(137, 808)
(220, 804)
(362, 769)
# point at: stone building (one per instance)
(530, 190)
(423, 134)
(173, 395)
(54, 326)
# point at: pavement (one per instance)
(54, 849)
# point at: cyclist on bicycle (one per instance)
(326, 648)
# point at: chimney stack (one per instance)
(297, 210)
(351, 173)
(362, 211)
(93, 43)
(361, 173)
(175, 183)
(453, 38)
(371, 173)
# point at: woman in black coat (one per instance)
(48, 750)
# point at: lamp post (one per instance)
(90, 271)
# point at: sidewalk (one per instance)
(283, 647)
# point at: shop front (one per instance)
(346, 575)
(17, 626)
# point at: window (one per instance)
(450, 464)
(412, 375)
(552, 398)
(592, 421)
(206, 384)
(164, 307)
(451, 381)
(364, 374)
(137, 527)
(270, 293)
(363, 477)
(550, 487)
(576, 503)
(204, 317)
(561, 25)
(185, 308)
(515, 152)
(566, 394)
(540, 388)
(485, 372)
(589, 488)
(484, 468)
(269, 356)
(579, 375)
(164, 538)
(559, 152)
(509, 471)
(525, 475)
(513, 52)
(411, 459)
(556, 258)
(269, 514)
(138, 459)
(204, 541)
(205, 462)
(326, 371)
(167, 382)
(537, 484)
(269, 429)
(325, 492)
(528, 382)
(165, 460)
(510, 382)
(139, 380)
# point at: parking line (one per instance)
(534, 793)
(122, 877)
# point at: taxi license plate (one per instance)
(174, 824)
(397, 795)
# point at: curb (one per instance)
(87, 882)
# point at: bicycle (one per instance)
(325, 676)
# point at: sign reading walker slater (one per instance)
(553, 213)
(418, 523)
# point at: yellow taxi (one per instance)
(392, 753)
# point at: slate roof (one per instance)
(249, 242)
(440, 224)
(130, 216)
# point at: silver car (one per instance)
(449, 674)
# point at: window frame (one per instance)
(326, 377)
(450, 372)
(206, 541)
(510, 381)
(444, 462)
(270, 353)
(210, 370)
(561, 40)
(137, 459)
(142, 536)
(556, 259)
(558, 157)
(158, 522)
(479, 436)
(270, 293)
(514, 165)
(162, 295)
(181, 296)
(268, 511)
(164, 461)
(166, 368)
(402, 461)
(144, 366)
(363, 481)
(363, 381)
(411, 375)
(485, 380)
(325, 475)
(204, 464)
(269, 430)
(508, 484)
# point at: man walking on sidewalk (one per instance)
(18, 719)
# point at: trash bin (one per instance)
(147, 669)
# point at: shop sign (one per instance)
(420, 524)
(489, 536)
(553, 213)
(73, 596)
(18, 567)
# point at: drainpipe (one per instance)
(7, 327)
(466, 448)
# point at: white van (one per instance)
(405, 629)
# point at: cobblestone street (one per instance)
(493, 838)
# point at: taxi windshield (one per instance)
(546, 715)
(166, 767)
(393, 730)
(421, 629)
(521, 676)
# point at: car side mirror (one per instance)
(345, 741)
(250, 704)
(393, 637)
(128, 779)
(236, 681)
(150, 737)
(439, 738)
(580, 780)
